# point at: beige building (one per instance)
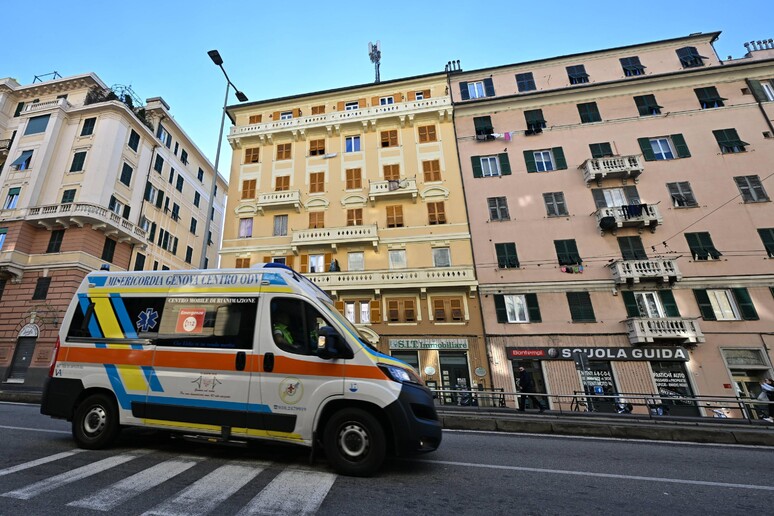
(89, 177)
(619, 203)
(360, 189)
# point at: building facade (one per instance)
(360, 189)
(88, 177)
(619, 208)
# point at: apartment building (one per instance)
(89, 178)
(619, 204)
(360, 188)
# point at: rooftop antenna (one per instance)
(39, 78)
(375, 53)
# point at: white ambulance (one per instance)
(233, 354)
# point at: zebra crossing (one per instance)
(291, 491)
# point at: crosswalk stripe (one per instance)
(208, 492)
(112, 496)
(38, 462)
(68, 477)
(291, 492)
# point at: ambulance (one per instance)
(231, 355)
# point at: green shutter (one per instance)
(647, 150)
(746, 305)
(600, 150)
(680, 146)
(489, 87)
(476, 162)
(502, 314)
(599, 198)
(757, 90)
(705, 307)
(580, 307)
(632, 310)
(669, 303)
(483, 124)
(632, 196)
(767, 237)
(561, 163)
(529, 159)
(464, 93)
(505, 164)
(694, 243)
(631, 248)
(533, 308)
(502, 258)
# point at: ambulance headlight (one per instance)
(400, 374)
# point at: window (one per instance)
(701, 246)
(397, 258)
(188, 254)
(351, 105)
(525, 82)
(286, 115)
(317, 147)
(647, 106)
(37, 125)
(254, 119)
(419, 95)
(139, 262)
(175, 212)
(19, 108)
(184, 157)
(318, 110)
(192, 227)
(401, 310)
(179, 184)
(517, 308)
(432, 170)
(725, 304)
(600, 150)
(436, 213)
(134, 140)
(491, 166)
(384, 101)
(389, 138)
(316, 182)
(352, 144)
(427, 133)
(88, 127)
(252, 155)
(200, 175)
(12, 199)
(506, 256)
(767, 237)
(567, 252)
(651, 305)
(729, 141)
(248, 188)
(281, 183)
(177, 147)
(615, 197)
(535, 121)
(354, 179)
(589, 113)
(23, 161)
(709, 98)
(171, 175)
(391, 172)
(358, 312)
(545, 160)
(664, 147)
(631, 66)
(158, 166)
(498, 208)
(555, 205)
(164, 136)
(79, 158)
(356, 261)
(395, 216)
(631, 248)
(197, 199)
(246, 227)
(581, 309)
(355, 217)
(55, 241)
(577, 74)
(484, 128)
(448, 309)
(41, 288)
(751, 188)
(283, 151)
(441, 257)
(317, 220)
(477, 89)
(280, 225)
(316, 263)
(126, 174)
(108, 250)
(682, 195)
(68, 196)
(150, 192)
(689, 57)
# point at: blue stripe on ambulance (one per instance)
(94, 330)
(123, 318)
(152, 379)
(226, 405)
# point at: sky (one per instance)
(276, 49)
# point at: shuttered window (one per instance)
(632, 66)
(589, 113)
(632, 248)
(447, 309)
(581, 308)
(316, 182)
(431, 170)
(647, 105)
(248, 188)
(389, 138)
(600, 150)
(498, 208)
(281, 183)
(767, 237)
(252, 155)
(517, 308)
(567, 252)
(436, 213)
(709, 97)
(79, 158)
(391, 172)
(577, 74)
(242, 263)
(535, 120)
(689, 57)
(316, 220)
(355, 217)
(545, 160)
(354, 179)
(395, 216)
(427, 133)
(701, 246)
(555, 205)
(682, 194)
(317, 147)
(525, 82)
(729, 141)
(400, 310)
(751, 188)
(506, 256)
(283, 151)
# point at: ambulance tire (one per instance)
(354, 443)
(95, 425)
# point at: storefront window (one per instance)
(672, 385)
(598, 380)
(410, 357)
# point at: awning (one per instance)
(25, 155)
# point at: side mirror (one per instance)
(330, 345)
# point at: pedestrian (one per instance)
(526, 385)
(767, 387)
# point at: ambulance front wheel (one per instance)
(95, 424)
(354, 443)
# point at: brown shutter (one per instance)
(275, 116)
(426, 93)
(374, 101)
(376, 311)
(340, 105)
(339, 306)
(328, 258)
(296, 112)
(393, 314)
(267, 259)
(362, 103)
(456, 309)
(440, 212)
(438, 310)
(289, 260)
(397, 97)
(304, 263)
(409, 310)
(412, 95)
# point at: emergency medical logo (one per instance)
(291, 390)
(353, 387)
(206, 383)
(147, 320)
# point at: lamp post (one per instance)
(241, 97)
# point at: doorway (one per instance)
(22, 357)
(454, 375)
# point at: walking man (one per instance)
(526, 385)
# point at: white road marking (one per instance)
(600, 475)
(27, 492)
(291, 492)
(38, 462)
(35, 429)
(120, 492)
(208, 492)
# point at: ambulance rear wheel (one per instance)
(354, 443)
(95, 424)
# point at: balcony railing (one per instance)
(643, 330)
(43, 106)
(633, 271)
(612, 167)
(629, 216)
(380, 279)
(80, 213)
(5, 146)
(283, 199)
(335, 236)
(389, 189)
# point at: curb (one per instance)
(21, 396)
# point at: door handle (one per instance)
(241, 360)
(268, 362)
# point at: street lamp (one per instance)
(241, 97)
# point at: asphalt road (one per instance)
(481, 473)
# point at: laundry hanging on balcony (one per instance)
(633, 210)
(573, 269)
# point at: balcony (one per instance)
(643, 330)
(335, 236)
(391, 189)
(632, 271)
(612, 167)
(629, 216)
(284, 199)
(81, 213)
(36, 107)
(442, 277)
(5, 146)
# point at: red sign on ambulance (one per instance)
(190, 320)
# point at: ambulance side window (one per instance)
(221, 323)
(295, 324)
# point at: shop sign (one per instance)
(649, 353)
(442, 344)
